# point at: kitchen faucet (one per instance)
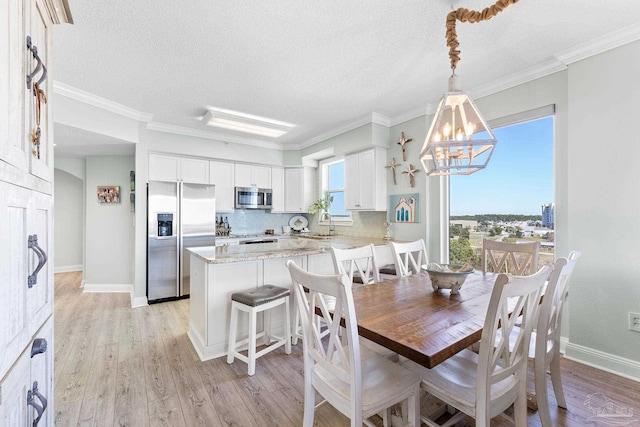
(331, 225)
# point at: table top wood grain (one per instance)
(407, 316)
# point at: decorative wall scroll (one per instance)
(108, 194)
(393, 166)
(402, 141)
(404, 207)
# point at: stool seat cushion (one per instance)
(388, 269)
(261, 295)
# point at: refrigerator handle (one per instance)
(179, 238)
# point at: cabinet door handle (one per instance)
(31, 402)
(42, 259)
(39, 346)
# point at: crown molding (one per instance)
(364, 120)
(181, 130)
(601, 44)
(558, 62)
(96, 101)
(543, 69)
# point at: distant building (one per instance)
(465, 223)
(547, 216)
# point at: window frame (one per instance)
(323, 185)
(445, 188)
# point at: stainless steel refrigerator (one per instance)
(179, 216)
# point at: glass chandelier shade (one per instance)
(459, 141)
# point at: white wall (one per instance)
(69, 221)
(604, 204)
(109, 261)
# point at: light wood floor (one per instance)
(117, 366)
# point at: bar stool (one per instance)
(254, 301)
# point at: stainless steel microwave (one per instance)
(253, 198)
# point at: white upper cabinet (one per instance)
(277, 187)
(298, 189)
(221, 174)
(365, 180)
(18, 114)
(163, 167)
(252, 176)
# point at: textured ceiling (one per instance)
(316, 64)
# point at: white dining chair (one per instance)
(514, 258)
(358, 383)
(544, 347)
(409, 257)
(484, 385)
(359, 264)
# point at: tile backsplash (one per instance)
(247, 221)
(366, 224)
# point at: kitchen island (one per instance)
(217, 272)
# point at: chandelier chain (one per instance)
(465, 15)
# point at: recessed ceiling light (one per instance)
(246, 123)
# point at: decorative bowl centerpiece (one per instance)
(448, 276)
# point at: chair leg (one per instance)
(287, 326)
(542, 397)
(266, 327)
(556, 380)
(413, 410)
(296, 326)
(232, 333)
(309, 399)
(520, 405)
(251, 355)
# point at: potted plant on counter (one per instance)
(322, 206)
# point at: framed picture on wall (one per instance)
(404, 207)
(108, 194)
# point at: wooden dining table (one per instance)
(407, 316)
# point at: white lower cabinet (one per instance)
(26, 392)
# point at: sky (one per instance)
(518, 178)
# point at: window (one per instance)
(332, 180)
(507, 200)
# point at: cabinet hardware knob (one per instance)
(39, 346)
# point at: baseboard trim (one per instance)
(68, 268)
(205, 352)
(617, 365)
(138, 301)
(108, 288)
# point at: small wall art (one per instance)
(108, 194)
(405, 207)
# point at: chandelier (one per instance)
(459, 141)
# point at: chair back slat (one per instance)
(514, 258)
(500, 358)
(357, 262)
(409, 257)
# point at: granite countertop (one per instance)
(282, 249)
